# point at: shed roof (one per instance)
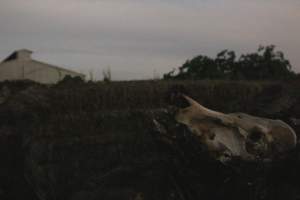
(14, 56)
(58, 68)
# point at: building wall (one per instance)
(33, 70)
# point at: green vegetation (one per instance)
(265, 64)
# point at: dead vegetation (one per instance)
(77, 140)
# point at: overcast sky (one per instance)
(140, 38)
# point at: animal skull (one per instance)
(236, 134)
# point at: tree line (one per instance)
(264, 64)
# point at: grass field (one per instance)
(78, 140)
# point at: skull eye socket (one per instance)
(255, 135)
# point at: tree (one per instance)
(266, 63)
(226, 63)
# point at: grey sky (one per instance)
(137, 37)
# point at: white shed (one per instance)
(19, 66)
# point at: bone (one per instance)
(233, 133)
(201, 108)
